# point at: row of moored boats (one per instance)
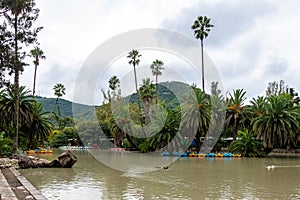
(196, 154)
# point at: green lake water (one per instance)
(186, 178)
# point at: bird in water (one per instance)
(270, 167)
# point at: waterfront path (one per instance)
(14, 186)
(5, 190)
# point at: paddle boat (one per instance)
(165, 153)
(194, 154)
(210, 155)
(236, 155)
(30, 152)
(184, 154)
(43, 151)
(228, 155)
(220, 155)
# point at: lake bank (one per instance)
(14, 186)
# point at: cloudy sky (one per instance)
(253, 42)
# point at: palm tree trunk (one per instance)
(235, 128)
(16, 89)
(202, 59)
(197, 137)
(139, 101)
(34, 79)
(156, 92)
(147, 107)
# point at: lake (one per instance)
(186, 178)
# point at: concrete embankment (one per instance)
(14, 186)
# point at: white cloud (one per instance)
(253, 42)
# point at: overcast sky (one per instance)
(253, 42)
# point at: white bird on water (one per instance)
(270, 167)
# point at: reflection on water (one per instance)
(187, 178)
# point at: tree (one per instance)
(147, 92)
(39, 128)
(59, 91)
(114, 84)
(6, 54)
(168, 131)
(279, 126)
(247, 145)
(156, 68)
(196, 115)
(7, 109)
(20, 20)
(7, 106)
(37, 54)
(201, 29)
(134, 61)
(235, 110)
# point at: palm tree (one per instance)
(59, 91)
(114, 83)
(156, 67)
(40, 127)
(147, 92)
(247, 145)
(21, 18)
(279, 126)
(134, 61)
(120, 125)
(196, 116)
(16, 8)
(8, 109)
(37, 54)
(201, 29)
(169, 122)
(258, 106)
(7, 106)
(235, 110)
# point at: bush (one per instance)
(59, 139)
(6, 146)
(247, 145)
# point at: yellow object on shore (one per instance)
(30, 152)
(40, 151)
(44, 151)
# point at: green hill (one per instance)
(168, 92)
(65, 106)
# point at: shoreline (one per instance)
(15, 186)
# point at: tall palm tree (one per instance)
(37, 54)
(20, 19)
(147, 93)
(235, 112)
(59, 91)
(279, 126)
(201, 29)
(134, 61)
(157, 68)
(16, 8)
